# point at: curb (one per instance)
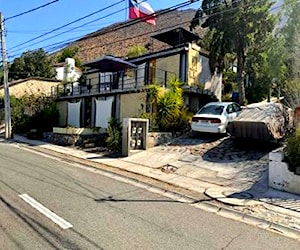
(204, 205)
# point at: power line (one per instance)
(21, 32)
(67, 31)
(26, 12)
(58, 45)
(147, 33)
(11, 50)
(132, 22)
(65, 25)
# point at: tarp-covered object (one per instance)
(263, 121)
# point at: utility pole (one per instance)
(6, 84)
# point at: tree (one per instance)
(234, 27)
(136, 50)
(33, 112)
(167, 111)
(291, 33)
(69, 53)
(31, 63)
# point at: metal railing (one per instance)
(97, 83)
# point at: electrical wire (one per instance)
(56, 46)
(182, 23)
(124, 25)
(61, 33)
(29, 11)
(65, 25)
(88, 28)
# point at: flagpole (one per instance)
(124, 33)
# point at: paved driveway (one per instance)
(214, 159)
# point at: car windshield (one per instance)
(211, 110)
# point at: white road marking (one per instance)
(45, 211)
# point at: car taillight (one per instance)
(207, 120)
(215, 121)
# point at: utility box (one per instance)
(134, 135)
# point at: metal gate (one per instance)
(136, 135)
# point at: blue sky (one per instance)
(29, 26)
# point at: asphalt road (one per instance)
(106, 213)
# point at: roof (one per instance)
(176, 36)
(110, 64)
(15, 82)
(157, 54)
(162, 53)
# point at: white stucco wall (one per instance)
(68, 72)
(280, 177)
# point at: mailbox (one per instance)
(134, 135)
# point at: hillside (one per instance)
(117, 42)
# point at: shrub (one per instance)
(33, 112)
(114, 139)
(292, 150)
(153, 127)
(167, 110)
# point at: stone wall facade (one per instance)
(77, 140)
(116, 39)
(158, 138)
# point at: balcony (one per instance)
(101, 83)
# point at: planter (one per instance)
(280, 177)
(81, 137)
(77, 131)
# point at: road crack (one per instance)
(230, 242)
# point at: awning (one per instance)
(110, 64)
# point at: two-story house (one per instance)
(115, 87)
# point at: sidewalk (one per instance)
(233, 177)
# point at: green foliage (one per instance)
(33, 112)
(31, 64)
(136, 50)
(1, 76)
(291, 34)
(291, 92)
(114, 139)
(226, 97)
(69, 52)
(256, 93)
(229, 84)
(167, 108)
(292, 150)
(152, 120)
(240, 26)
(19, 119)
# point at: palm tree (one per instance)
(167, 111)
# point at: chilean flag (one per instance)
(142, 10)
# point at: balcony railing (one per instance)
(97, 83)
